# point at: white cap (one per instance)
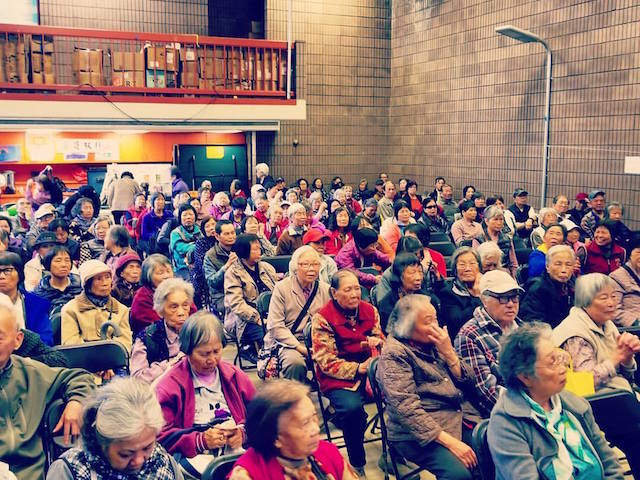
(499, 282)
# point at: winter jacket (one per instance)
(121, 193)
(142, 312)
(458, 306)
(289, 242)
(604, 262)
(422, 397)
(176, 394)
(213, 264)
(58, 298)
(350, 257)
(151, 224)
(131, 219)
(336, 241)
(392, 232)
(82, 320)
(182, 244)
(178, 185)
(28, 389)
(92, 249)
(197, 274)
(36, 312)
(521, 448)
(628, 286)
(34, 348)
(546, 300)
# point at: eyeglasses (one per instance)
(7, 271)
(307, 266)
(504, 299)
(430, 206)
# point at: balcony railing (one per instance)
(56, 63)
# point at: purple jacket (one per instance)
(151, 223)
(350, 257)
(177, 398)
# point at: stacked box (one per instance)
(87, 66)
(189, 72)
(212, 68)
(14, 65)
(128, 69)
(41, 54)
(161, 66)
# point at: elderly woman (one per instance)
(60, 227)
(157, 347)
(294, 301)
(284, 438)
(196, 273)
(424, 385)
(155, 217)
(546, 218)
(628, 287)
(132, 217)
(393, 228)
(203, 398)
(244, 281)
(573, 240)
(463, 231)
(237, 213)
(461, 296)
(250, 225)
(220, 205)
(318, 206)
(346, 334)
(604, 255)
(537, 430)
(61, 285)
(549, 297)
(339, 230)
(275, 225)
(155, 269)
(84, 316)
(117, 243)
(492, 225)
(316, 239)
(128, 270)
(291, 237)
(32, 311)
(82, 216)
(490, 256)
(119, 428)
(553, 235)
(431, 217)
(183, 240)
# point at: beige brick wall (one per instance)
(468, 104)
(344, 76)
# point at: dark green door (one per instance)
(218, 163)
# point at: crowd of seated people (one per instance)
(475, 308)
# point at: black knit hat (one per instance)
(365, 237)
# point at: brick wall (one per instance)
(343, 74)
(468, 104)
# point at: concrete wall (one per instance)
(468, 104)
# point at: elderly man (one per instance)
(294, 300)
(217, 261)
(478, 341)
(385, 205)
(448, 205)
(561, 206)
(27, 388)
(523, 213)
(43, 217)
(592, 219)
(424, 384)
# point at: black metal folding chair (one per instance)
(96, 356)
(279, 262)
(52, 443)
(481, 448)
(220, 467)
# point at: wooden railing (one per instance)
(52, 62)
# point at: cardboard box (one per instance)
(155, 79)
(42, 44)
(138, 62)
(47, 62)
(37, 78)
(138, 79)
(15, 68)
(156, 58)
(127, 61)
(49, 78)
(187, 54)
(171, 59)
(117, 78)
(189, 81)
(95, 61)
(36, 62)
(80, 60)
(88, 78)
(118, 61)
(212, 68)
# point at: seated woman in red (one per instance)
(284, 436)
(340, 234)
(604, 255)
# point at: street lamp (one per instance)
(524, 36)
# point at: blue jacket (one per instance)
(37, 316)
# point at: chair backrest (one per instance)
(262, 304)
(522, 254)
(522, 274)
(306, 332)
(220, 467)
(481, 448)
(279, 262)
(611, 406)
(56, 326)
(440, 237)
(445, 248)
(52, 444)
(96, 356)
(369, 270)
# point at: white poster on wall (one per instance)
(632, 165)
(21, 12)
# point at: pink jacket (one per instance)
(176, 395)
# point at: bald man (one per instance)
(27, 388)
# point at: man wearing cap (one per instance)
(478, 341)
(379, 189)
(385, 206)
(593, 217)
(43, 217)
(448, 205)
(33, 269)
(579, 208)
(524, 214)
(316, 238)
(370, 214)
(361, 252)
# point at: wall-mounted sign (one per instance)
(22, 12)
(40, 147)
(78, 149)
(632, 165)
(10, 153)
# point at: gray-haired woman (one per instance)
(203, 398)
(291, 238)
(155, 269)
(119, 428)
(492, 225)
(288, 316)
(92, 249)
(538, 431)
(157, 347)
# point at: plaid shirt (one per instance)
(477, 344)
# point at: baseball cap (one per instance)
(499, 282)
(581, 196)
(91, 268)
(45, 238)
(314, 235)
(594, 193)
(520, 192)
(44, 210)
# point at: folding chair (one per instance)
(52, 443)
(445, 248)
(522, 254)
(220, 467)
(262, 304)
(279, 262)
(481, 448)
(387, 451)
(522, 274)
(369, 270)
(96, 356)
(440, 237)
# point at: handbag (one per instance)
(269, 365)
(579, 383)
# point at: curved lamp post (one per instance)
(525, 36)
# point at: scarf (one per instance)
(575, 460)
(96, 300)
(83, 223)
(85, 465)
(306, 469)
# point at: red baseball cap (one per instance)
(314, 235)
(581, 196)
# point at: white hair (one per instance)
(489, 249)
(167, 287)
(315, 196)
(295, 257)
(588, 286)
(544, 212)
(402, 320)
(220, 199)
(262, 168)
(295, 208)
(557, 249)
